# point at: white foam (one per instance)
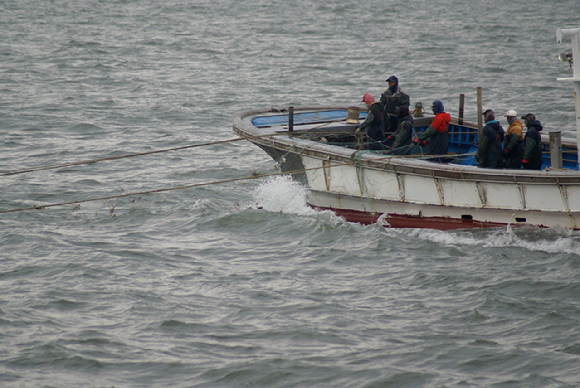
(282, 194)
(542, 240)
(201, 204)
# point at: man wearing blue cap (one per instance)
(392, 98)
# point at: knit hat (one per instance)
(368, 99)
(488, 116)
(437, 107)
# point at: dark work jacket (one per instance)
(393, 100)
(375, 127)
(489, 152)
(514, 155)
(438, 144)
(404, 133)
(533, 146)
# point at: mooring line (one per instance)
(82, 162)
(355, 161)
(55, 166)
(256, 176)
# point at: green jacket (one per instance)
(404, 132)
(533, 142)
(430, 131)
(531, 149)
(374, 124)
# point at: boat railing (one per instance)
(328, 126)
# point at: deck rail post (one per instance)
(461, 108)
(556, 149)
(479, 116)
(479, 112)
(290, 119)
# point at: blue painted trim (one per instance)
(303, 118)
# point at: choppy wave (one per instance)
(243, 284)
(529, 239)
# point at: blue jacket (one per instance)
(489, 152)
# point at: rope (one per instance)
(55, 166)
(256, 176)
(356, 161)
(78, 163)
(357, 156)
(70, 164)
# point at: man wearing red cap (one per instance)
(374, 124)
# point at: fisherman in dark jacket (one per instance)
(392, 98)
(374, 124)
(404, 132)
(532, 143)
(489, 150)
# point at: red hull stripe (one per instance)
(407, 221)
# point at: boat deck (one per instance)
(331, 125)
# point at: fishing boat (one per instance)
(319, 147)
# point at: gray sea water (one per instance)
(241, 284)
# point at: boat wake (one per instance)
(552, 240)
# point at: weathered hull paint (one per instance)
(408, 221)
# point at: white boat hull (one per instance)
(413, 200)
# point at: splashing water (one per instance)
(282, 194)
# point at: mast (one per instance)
(573, 59)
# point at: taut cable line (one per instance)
(82, 162)
(55, 166)
(91, 161)
(256, 176)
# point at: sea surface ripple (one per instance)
(242, 284)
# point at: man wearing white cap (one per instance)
(513, 146)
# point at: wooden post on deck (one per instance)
(556, 149)
(479, 112)
(461, 108)
(290, 119)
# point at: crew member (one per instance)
(392, 98)
(404, 132)
(374, 124)
(489, 151)
(513, 147)
(532, 143)
(436, 136)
